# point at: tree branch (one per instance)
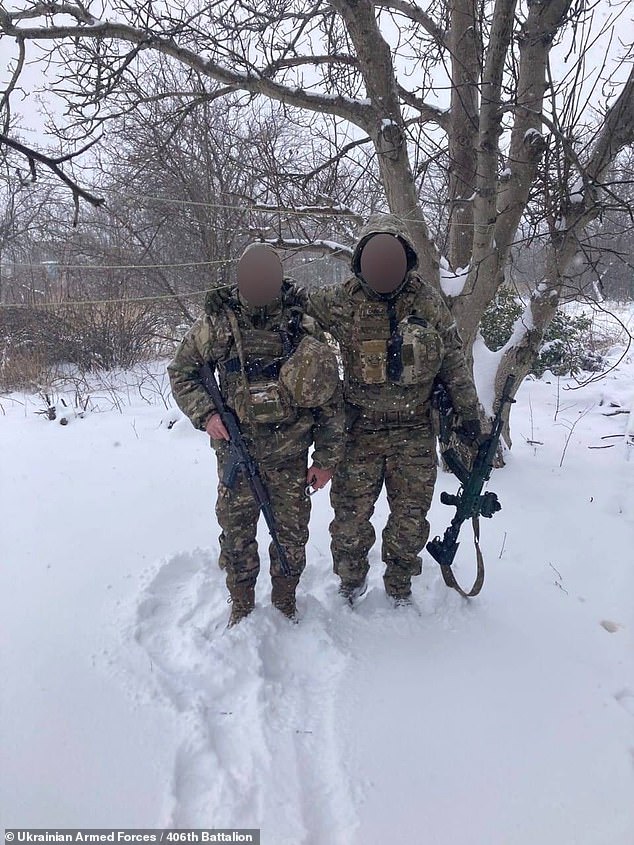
(416, 14)
(527, 146)
(345, 107)
(53, 165)
(428, 114)
(6, 94)
(485, 212)
(299, 61)
(332, 248)
(617, 132)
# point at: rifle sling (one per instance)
(447, 572)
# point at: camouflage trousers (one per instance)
(404, 459)
(237, 513)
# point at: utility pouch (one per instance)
(262, 402)
(421, 352)
(371, 332)
(373, 356)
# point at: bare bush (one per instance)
(34, 341)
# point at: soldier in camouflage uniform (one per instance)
(396, 337)
(281, 381)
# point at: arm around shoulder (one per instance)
(325, 306)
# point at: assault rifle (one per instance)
(239, 458)
(470, 502)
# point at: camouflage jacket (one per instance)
(211, 340)
(352, 312)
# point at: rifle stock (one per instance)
(240, 458)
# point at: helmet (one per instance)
(311, 374)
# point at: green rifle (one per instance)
(239, 458)
(470, 502)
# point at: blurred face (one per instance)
(259, 275)
(383, 263)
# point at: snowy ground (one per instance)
(508, 720)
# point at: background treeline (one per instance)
(185, 192)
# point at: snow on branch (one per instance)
(310, 211)
(428, 113)
(332, 248)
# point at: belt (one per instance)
(416, 416)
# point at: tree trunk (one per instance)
(386, 128)
(465, 47)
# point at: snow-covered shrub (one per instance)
(499, 318)
(565, 348)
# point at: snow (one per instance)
(126, 702)
(532, 134)
(485, 366)
(315, 244)
(452, 284)
(524, 323)
(561, 223)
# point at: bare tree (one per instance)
(522, 143)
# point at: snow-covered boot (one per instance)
(283, 594)
(398, 586)
(352, 591)
(242, 598)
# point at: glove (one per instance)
(470, 432)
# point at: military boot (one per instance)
(242, 597)
(283, 595)
(352, 591)
(398, 585)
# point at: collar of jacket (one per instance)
(219, 298)
(408, 284)
(260, 313)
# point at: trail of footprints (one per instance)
(257, 705)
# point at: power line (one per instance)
(72, 303)
(156, 298)
(59, 266)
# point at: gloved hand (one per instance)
(470, 432)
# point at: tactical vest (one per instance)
(250, 373)
(390, 364)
